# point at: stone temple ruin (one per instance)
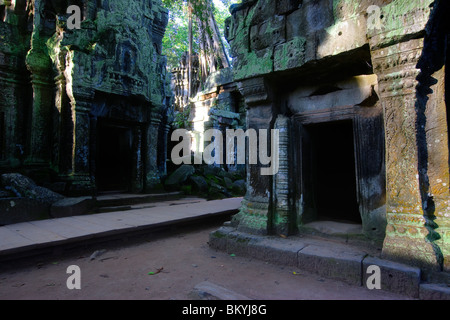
(358, 92)
(84, 110)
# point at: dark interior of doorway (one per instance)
(113, 166)
(333, 174)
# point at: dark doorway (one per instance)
(332, 175)
(114, 157)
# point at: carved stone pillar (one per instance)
(39, 64)
(283, 220)
(408, 230)
(14, 89)
(434, 167)
(40, 141)
(412, 89)
(162, 148)
(255, 214)
(152, 175)
(81, 151)
(137, 165)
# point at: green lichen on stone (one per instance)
(290, 54)
(253, 64)
(218, 234)
(403, 17)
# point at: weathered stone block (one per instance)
(290, 55)
(17, 210)
(395, 277)
(27, 188)
(296, 24)
(283, 252)
(268, 33)
(254, 64)
(287, 6)
(238, 242)
(434, 292)
(400, 18)
(200, 183)
(71, 207)
(332, 262)
(180, 175)
(319, 15)
(341, 37)
(261, 11)
(218, 238)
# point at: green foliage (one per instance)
(176, 39)
(181, 120)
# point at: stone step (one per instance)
(126, 199)
(149, 204)
(331, 259)
(113, 202)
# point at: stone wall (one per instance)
(219, 105)
(108, 74)
(300, 63)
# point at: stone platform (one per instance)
(36, 237)
(332, 258)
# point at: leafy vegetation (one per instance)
(176, 39)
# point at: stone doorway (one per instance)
(329, 171)
(114, 157)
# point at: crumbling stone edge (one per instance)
(328, 259)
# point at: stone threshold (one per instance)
(329, 259)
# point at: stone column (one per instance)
(283, 220)
(255, 214)
(39, 64)
(434, 168)
(164, 135)
(14, 86)
(14, 90)
(81, 173)
(137, 166)
(409, 230)
(152, 176)
(417, 152)
(93, 122)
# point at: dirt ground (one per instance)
(124, 272)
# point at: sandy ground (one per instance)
(122, 272)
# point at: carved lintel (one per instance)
(255, 91)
